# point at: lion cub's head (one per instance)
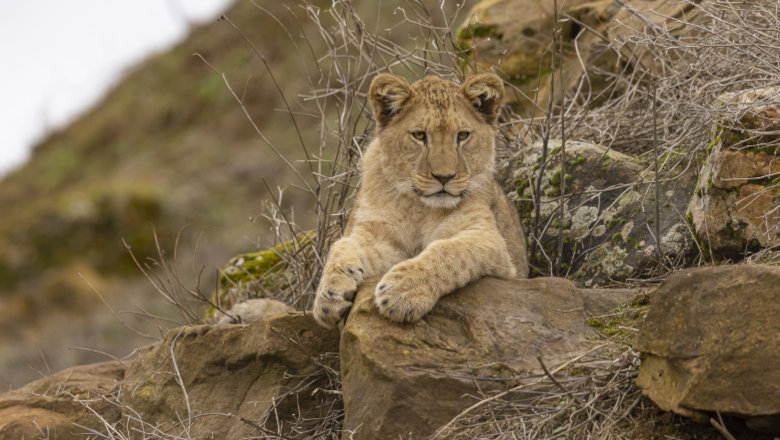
(436, 137)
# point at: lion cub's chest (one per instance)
(414, 233)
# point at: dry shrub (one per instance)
(586, 398)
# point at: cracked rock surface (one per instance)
(399, 379)
(230, 369)
(49, 403)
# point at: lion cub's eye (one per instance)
(463, 135)
(419, 135)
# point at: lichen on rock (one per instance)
(609, 210)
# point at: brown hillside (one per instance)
(168, 146)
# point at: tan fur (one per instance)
(252, 310)
(427, 236)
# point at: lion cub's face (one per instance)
(437, 138)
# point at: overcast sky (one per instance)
(60, 57)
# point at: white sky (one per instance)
(60, 57)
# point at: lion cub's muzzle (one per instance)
(441, 190)
(452, 185)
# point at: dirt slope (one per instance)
(168, 146)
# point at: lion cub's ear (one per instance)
(486, 93)
(388, 94)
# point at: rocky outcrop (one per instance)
(233, 371)
(608, 226)
(711, 342)
(410, 379)
(514, 36)
(52, 407)
(736, 206)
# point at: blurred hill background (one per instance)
(169, 146)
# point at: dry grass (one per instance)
(669, 112)
(583, 399)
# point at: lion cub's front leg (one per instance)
(411, 288)
(351, 259)
(342, 275)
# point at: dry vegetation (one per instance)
(722, 47)
(660, 107)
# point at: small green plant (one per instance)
(556, 178)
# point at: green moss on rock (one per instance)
(246, 276)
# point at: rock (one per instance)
(514, 36)
(251, 310)
(606, 236)
(711, 342)
(407, 380)
(50, 403)
(735, 207)
(249, 276)
(233, 369)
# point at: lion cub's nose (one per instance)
(444, 179)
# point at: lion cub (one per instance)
(429, 216)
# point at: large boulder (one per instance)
(407, 380)
(711, 342)
(736, 203)
(236, 370)
(609, 211)
(52, 407)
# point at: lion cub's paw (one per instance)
(403, 294)
(335, 293)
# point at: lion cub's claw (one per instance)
(400, 297)
(335, 294)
